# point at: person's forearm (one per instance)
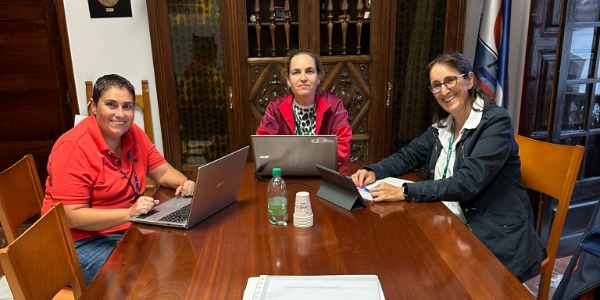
(167, 176)
(173, 179)
(93, 219)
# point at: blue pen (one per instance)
(364, 188)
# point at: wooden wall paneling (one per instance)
(37, 106)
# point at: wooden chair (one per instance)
(142, 102)
(21, 196)
(41, 263)
(550, 169)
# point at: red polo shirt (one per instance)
(82, 170)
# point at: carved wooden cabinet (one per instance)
(355, 40)
(219, 63)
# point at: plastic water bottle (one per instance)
(277, 199)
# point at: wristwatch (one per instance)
(405, 191)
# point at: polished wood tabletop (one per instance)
(418, 251)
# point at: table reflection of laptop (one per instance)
(217, 186)
(296, 155)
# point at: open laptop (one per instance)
(296, 155)
(217, 186)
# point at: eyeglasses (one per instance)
(449, 83)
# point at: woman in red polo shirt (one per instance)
(98, 171)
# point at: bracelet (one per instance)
(183, 182)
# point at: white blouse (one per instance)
(445, 137)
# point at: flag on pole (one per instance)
(491, 53)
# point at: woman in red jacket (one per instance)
(307, 110)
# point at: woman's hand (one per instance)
(363, 177)
(143, 205)
(186, 188)
(387, 192)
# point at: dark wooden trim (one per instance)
(382, 73)
(66, 54)
(454, 32)
(560, 75)
(310, 13)
(388, 60)
(235, 48)
(158, 21)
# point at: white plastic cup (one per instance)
(302, 205)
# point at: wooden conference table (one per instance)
(418, 251)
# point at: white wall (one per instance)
(112, 45)
(518, 42)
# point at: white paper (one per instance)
(350, 287)
(389, 180)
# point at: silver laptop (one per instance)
(217, 186)
(296, 155)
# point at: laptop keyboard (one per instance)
(178, 216)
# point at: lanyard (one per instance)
(136, 189)
(451, 143)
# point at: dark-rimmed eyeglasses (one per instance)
(449, 83)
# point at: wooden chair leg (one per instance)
(589, 295)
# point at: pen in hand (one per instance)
(364, 188)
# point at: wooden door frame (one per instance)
(160, 40)
(63, 33)
(454, 32)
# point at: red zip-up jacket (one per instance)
(331, 118)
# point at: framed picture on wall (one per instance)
(109, 8)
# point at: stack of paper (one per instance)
(326, 287)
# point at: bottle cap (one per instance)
(276, 172)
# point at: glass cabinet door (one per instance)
(574, 111)
(577, 106)
(195, 30)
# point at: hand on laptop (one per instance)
(186, 188)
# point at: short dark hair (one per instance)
(111, 80)
(458, 61)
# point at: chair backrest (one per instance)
(42, 261)
(550, 169)
(21, 196)
(142, 102)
